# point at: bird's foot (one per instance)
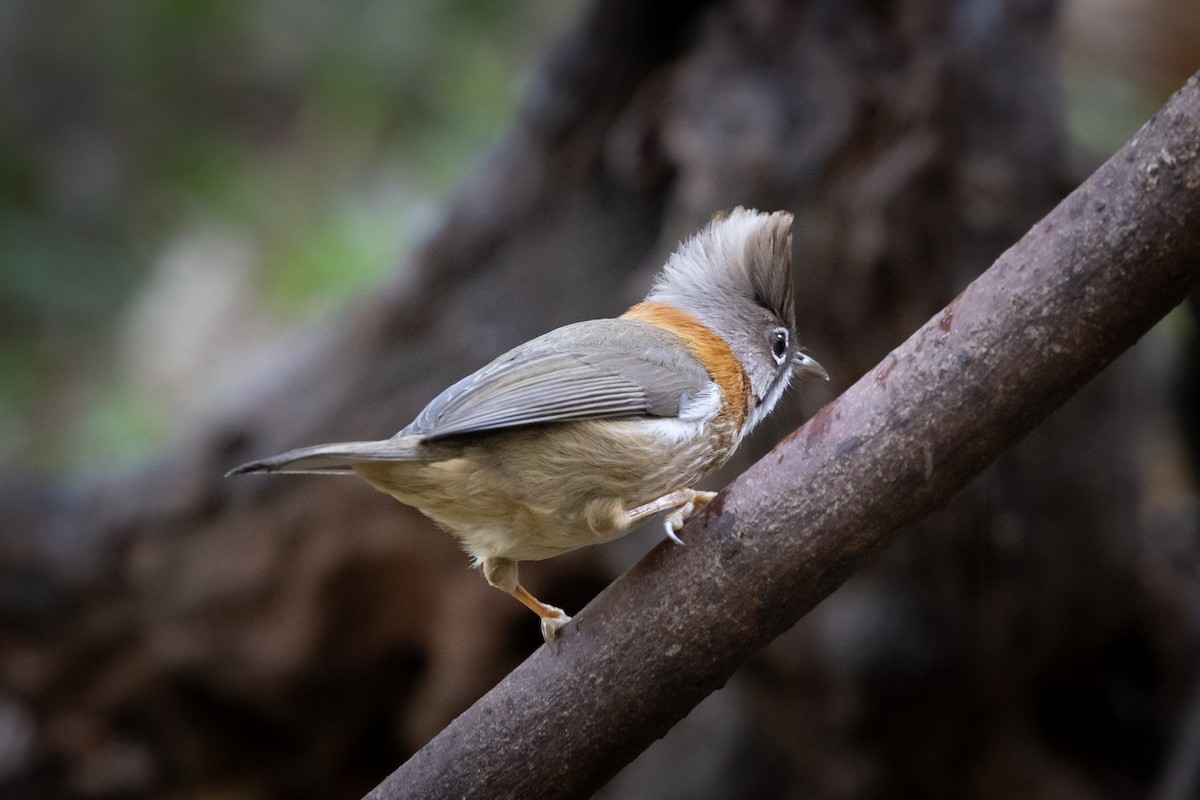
(675, 521)
(553, 623)
(684, 503)
(553, 618)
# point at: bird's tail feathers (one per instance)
(338, 458)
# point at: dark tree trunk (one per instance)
(166, 629)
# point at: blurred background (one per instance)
(230, 228)
(181, 181)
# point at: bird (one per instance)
(578, 435)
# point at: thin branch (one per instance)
(1082, 286)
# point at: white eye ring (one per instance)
(778, 339)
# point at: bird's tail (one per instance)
(338, 458)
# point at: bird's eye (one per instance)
(778, 338)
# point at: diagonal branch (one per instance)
(1078, 289)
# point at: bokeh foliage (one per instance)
(316, 135)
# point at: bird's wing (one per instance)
(590, 370)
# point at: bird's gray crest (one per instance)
(743, 253)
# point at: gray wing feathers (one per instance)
(336, 458)
(601, 369)
(590, 370)
(550, 387)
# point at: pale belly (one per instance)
(539, 492)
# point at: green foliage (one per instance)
(316, 132)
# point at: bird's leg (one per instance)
(502, 573)
(684, 502)
(553, 618)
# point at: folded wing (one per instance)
(600, 369)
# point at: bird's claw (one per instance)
(671, 531)
(551, 625)
(683, 501)
(675, 521)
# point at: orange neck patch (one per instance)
(708, 347)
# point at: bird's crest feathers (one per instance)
(741, 253)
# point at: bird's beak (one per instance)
(808, 367)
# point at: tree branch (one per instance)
(1082, 286)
